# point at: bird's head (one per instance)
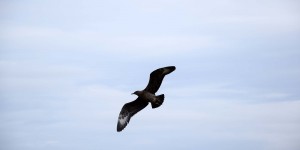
(138, 93)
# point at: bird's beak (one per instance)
(132, 93)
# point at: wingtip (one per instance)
(168, 69)
(119, 128)
(172, 68)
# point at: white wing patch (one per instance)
(123, 119)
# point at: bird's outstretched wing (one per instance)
(128, 110)
(156, 78)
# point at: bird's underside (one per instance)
(144, 97)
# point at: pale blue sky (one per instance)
(67, 67)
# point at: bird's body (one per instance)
(148, 96)
(144, 97)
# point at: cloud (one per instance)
(47, 103)
(219, 120)
(141, 45)
(68, 68)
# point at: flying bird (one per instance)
(144, 97)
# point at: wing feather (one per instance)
(156, 78)
(128, 110)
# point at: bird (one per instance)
(145, 97)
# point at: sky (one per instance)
(67, 67)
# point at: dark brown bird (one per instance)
(144, 97)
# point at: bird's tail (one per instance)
(158, 101)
